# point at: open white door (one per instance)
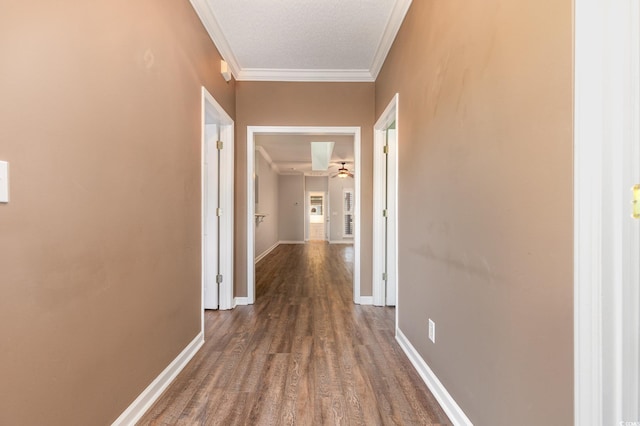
(385, 205)
(391, 218)
(211, 254)
(217, 206)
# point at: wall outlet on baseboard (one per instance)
(432, 330)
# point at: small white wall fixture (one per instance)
(385, 181)
(252, 131)
(607, 239)
(214, 114)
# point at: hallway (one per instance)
(304, 354)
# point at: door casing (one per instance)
(325, 210)
(213, 113)
(252, 131)
(389, 116)
(606, 239)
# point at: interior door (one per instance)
(390, 219)
(317, 219)
(627, 310)
(630, 318)
(631, 292)
(212, 219)
(625, 315)
(631, 315)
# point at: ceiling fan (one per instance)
(343, 172)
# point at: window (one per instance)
(348, 212)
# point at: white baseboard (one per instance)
(266, 252)
(341, 242)
(241, 301)
(448, 404)
(290, 242)
(365, 300)
(146, 399)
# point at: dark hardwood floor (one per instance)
(304, 354)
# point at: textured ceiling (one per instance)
(291, 154)
(310, 40)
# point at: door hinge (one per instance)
(218, 211)
(384, 276)
(636, 201)
(218, 279)
(385, 149)
(219, 144)
(385, 213)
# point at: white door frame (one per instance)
(213, 113)
(252, 131)
(327, 215)
(606, 252)
(389, 115)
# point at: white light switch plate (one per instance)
(4, 182)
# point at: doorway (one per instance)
(385, 204)
(252, 132)
(316, 216)
(217, 205)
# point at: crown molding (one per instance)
(400, 9)
(206, 15)
(307, 75)
(268, 159)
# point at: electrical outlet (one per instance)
(432, 331)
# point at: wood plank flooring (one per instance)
(304, 354)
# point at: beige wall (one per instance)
(485, 201)
(266, 231)
(303, 104)
(100, 245)
(316, 183)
